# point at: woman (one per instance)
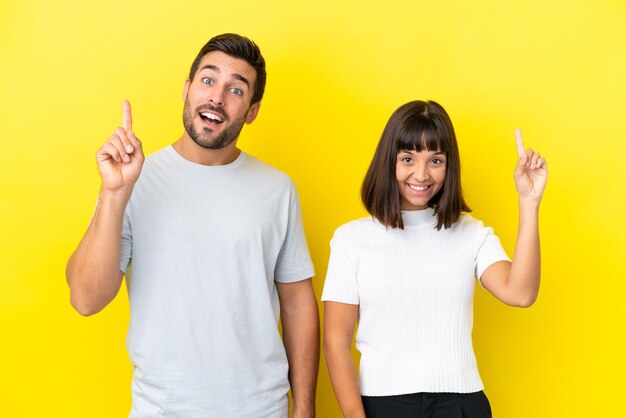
(407, 275)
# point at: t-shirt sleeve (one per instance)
(294, 260)
(125, 244)
(489, 251)
(341, 277)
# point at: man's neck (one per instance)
(193, 152)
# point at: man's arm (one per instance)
(93, 272)
(301, 336)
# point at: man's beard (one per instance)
(203, 137)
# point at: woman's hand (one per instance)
(531, 172)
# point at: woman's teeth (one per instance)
(418, 188)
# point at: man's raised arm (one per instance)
(93, 271)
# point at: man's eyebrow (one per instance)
(211, 67)
(235, 76)
(241, 78)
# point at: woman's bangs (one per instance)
(420, 137)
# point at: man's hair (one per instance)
(418, 126)
(239, 47)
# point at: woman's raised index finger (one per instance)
(519, 142)
(127, 117)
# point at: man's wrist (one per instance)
(119, 195)
(304, 412)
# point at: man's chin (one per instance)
(208, 145)
(208, 139)
(211, 144)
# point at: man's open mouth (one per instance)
(211, 117)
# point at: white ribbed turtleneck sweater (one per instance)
(415, 289)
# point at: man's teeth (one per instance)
(211, 116)
(418, 188)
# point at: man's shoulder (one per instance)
(159, 155)
(265, 172)
(158, 160)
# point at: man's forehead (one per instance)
(227, 65)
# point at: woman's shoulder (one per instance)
(470, 225)
(468, 220)
(356, 228)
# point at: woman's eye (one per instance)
(406, 159)
(437, 161)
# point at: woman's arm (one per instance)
(339, 323)
(517, 283)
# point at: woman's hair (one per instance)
(417, 126)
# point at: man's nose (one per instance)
(216, 97)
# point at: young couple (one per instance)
(212, 246)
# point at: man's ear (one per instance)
(252, 112)
(186, 89)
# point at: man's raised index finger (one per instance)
(519, 142)
(127, 117)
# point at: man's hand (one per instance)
(120, 159)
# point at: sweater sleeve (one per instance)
(489, 250)
(341, 277)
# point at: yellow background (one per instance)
(336, 71)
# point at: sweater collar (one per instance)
(419, 217)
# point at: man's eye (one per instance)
(238, 92)
(207, 80)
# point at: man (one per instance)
(210, 240)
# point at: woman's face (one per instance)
(420, 176)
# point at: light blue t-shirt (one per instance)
(203, 246)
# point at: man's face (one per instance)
(217, 100)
